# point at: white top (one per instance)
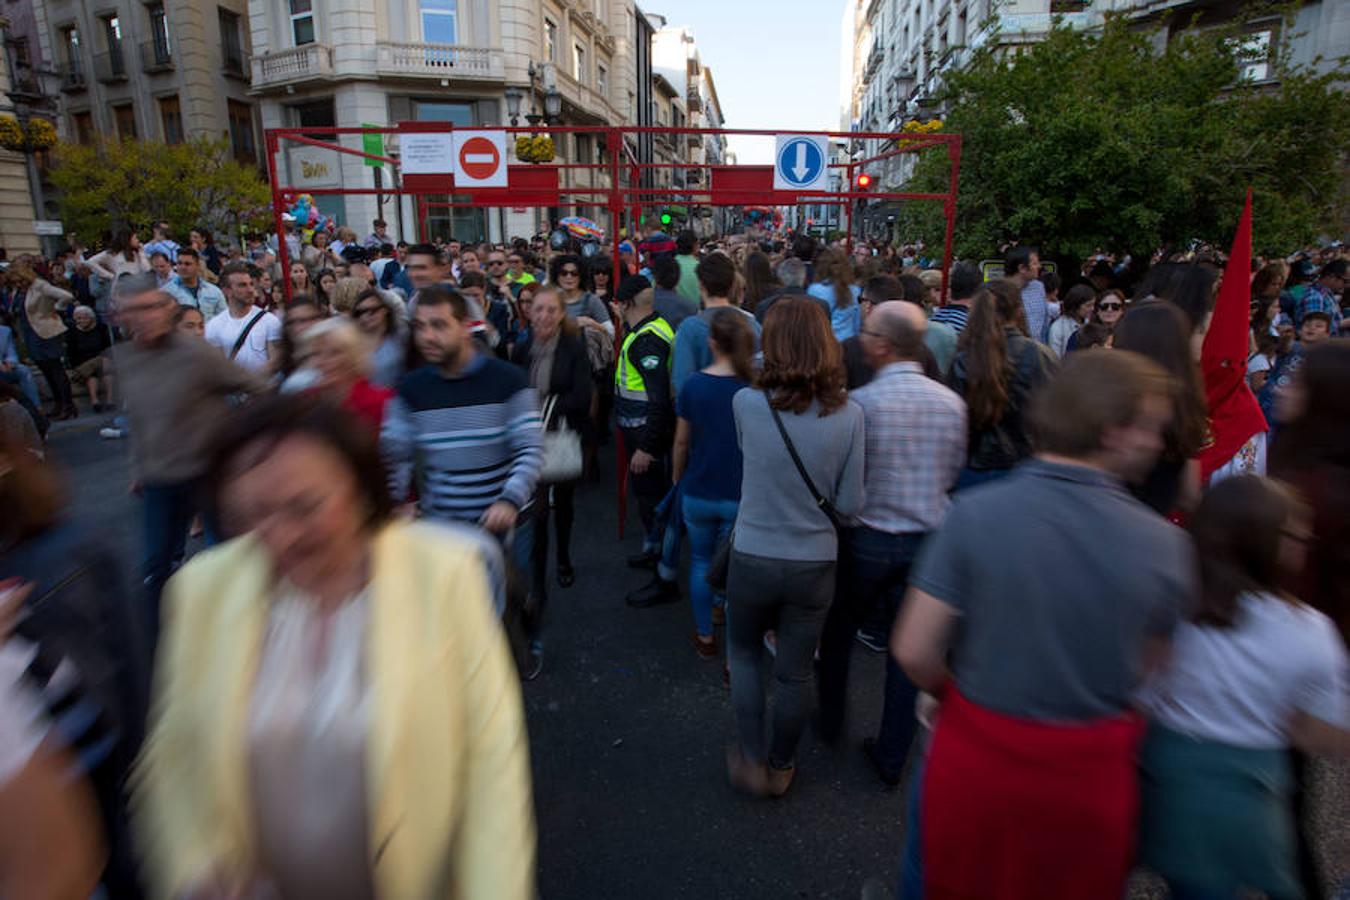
(223, 330)
(1241, 685)
(22, 720)
(1258, 362)
(307, 749)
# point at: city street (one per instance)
(628, 729)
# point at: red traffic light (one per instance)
(864, 181)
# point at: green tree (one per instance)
(1101, 139)
(131, 184)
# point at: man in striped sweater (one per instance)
(467, 426)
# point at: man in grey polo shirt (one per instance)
(1067, 590)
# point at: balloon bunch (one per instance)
(307, 215)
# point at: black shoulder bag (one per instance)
(243, 335)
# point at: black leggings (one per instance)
(55, 372)
(564, 512)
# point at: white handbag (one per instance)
(562, 449)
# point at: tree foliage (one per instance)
(1102, 140)
(130, 184)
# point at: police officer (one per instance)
(645, 411)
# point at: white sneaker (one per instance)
(111, 434)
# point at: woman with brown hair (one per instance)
(1253, 673)
(997, 369)
(834, 285)
(1160, 331)
(43, 328)
(805, 438)
(760, 281)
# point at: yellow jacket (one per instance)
(447, 765)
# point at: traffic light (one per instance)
(864, 181)
(665, 218)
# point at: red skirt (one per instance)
(1014, 808)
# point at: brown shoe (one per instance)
(707, 648)
(779, 780)
(746, 776)
(719, 615)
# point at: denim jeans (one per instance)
(708, 523)
(168, 510)
(792, 598)
(874, 565)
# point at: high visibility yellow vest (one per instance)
(627, 377)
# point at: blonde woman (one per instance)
(344, 294)
(339, 357)
(42, 307)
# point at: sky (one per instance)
(775, 62)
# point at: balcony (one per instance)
(420, 60)
(111, 66)
(289, 66)
(156, 56)
(73, 79)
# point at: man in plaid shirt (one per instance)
(1324, 295)
(916, 446)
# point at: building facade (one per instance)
(164, 71)
(381, 62)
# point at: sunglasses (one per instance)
(496, 262)
(573, 273)
(1107, 306)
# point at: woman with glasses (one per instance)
(1108, 311)
(383, 326)
(587, 310)
(600, 278)
(996, 370)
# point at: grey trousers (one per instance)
(792, 599)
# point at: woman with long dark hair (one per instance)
(707, 459)
(1253, 673)
(1107, 312)
(122, 256)
(834, 284)
(997, 369)
(1158, 330)
(301, 282)
(782, 570)
(1075, 310)
(760, 281)
(300, 315)
(565, 272)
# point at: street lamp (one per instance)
(553, 105)
(513, 97)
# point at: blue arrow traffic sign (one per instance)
(800, 162)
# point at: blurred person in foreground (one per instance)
(1253, 673)
(1056, 628)
(336, 712)
(87, 642)
(50, 844)
(337, 358)
(175, 390)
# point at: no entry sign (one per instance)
(480, 159)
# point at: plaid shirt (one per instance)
(1319, 299)
(916, 446)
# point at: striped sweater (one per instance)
(470, 440)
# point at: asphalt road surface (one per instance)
(628, 732)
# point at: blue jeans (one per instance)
(168, 512)
(708, 523)
(874, 565)
(21, 378)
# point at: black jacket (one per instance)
(658, 432)
(570, 379)
(1007, 443)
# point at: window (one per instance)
(551, 40)
(458, 114)
(70, 39)
(602, 81)
(584, 149)
(124, 114)
(171, 119)
(579, 71)
(241, 132)
(231, 46)
(159, 30)
(21, 57)
(1255, 55)
(302, 21)
(440, 21)
(83, 126)
(112, 36)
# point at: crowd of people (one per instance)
(1096, 522)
